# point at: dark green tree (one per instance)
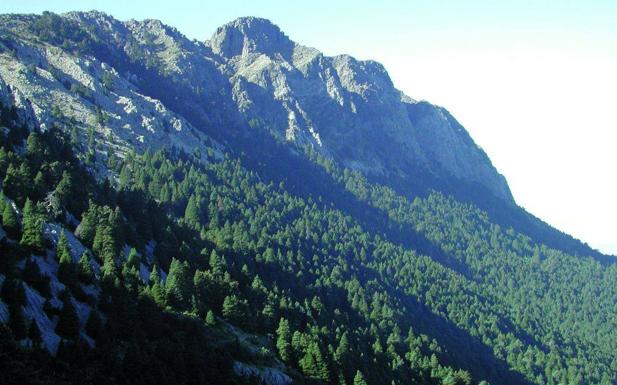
(210, 319)
(66, 267)
(283, 340)
(178, 285)
(10, 222)
(313, 364)
(32, 236)
(192, 212)
(218, 265)
(157, 289)
(133, 259)
(86, 230)
(84, 268)
(359, 379)
(64, 189)
(235, 310)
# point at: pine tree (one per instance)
(40, 187)
(17, 182)
(313, 364)
(104, 244)
(283, 340)
(35, 148)
(449, 379)
(84, 268)
(64, 189)
(109, 270)
(342, 350)
(359, 379)
(156, 288)
(32, 236)
(86, 230)
(234, 310)
(10, 222)
(192, 212)
(210, 319)
(341, 379)
(63, 253)
(133, 259)
(66, 268)
(218, 265)
(179, 284)
(3, 203)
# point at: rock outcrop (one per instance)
(143, 84)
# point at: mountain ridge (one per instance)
(301, 90)
(265, 215)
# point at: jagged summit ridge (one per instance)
(247, 35)
(249, 75)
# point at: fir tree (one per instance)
(133, 259)
(104, 244)
(283, 340)
(342, 350)
(359, 379)
(192, 212)
(234, 310)
(313, 364)
(210, 319)
(66, 270)
(84, 268)
(178, 285)
(86, 230)
(32, 236)
(109, 270)
(10, 222)
(156, 287)
(63, 253)
(218, 265)
(3, 203)
(64, 189)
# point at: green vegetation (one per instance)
(368, 287)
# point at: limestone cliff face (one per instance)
(142, 83)
(346, 108)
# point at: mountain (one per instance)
(344, 108)
(246, 209)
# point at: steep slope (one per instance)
(344, 108)
(233, 92)
(251, 75)
(298, 249)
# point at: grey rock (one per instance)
(345, 108)
(249, 75)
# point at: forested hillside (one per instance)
(244, 260)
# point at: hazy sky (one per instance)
(534, 82)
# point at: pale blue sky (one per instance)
(533, 81)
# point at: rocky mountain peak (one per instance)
(247, 35)
(249, 74)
